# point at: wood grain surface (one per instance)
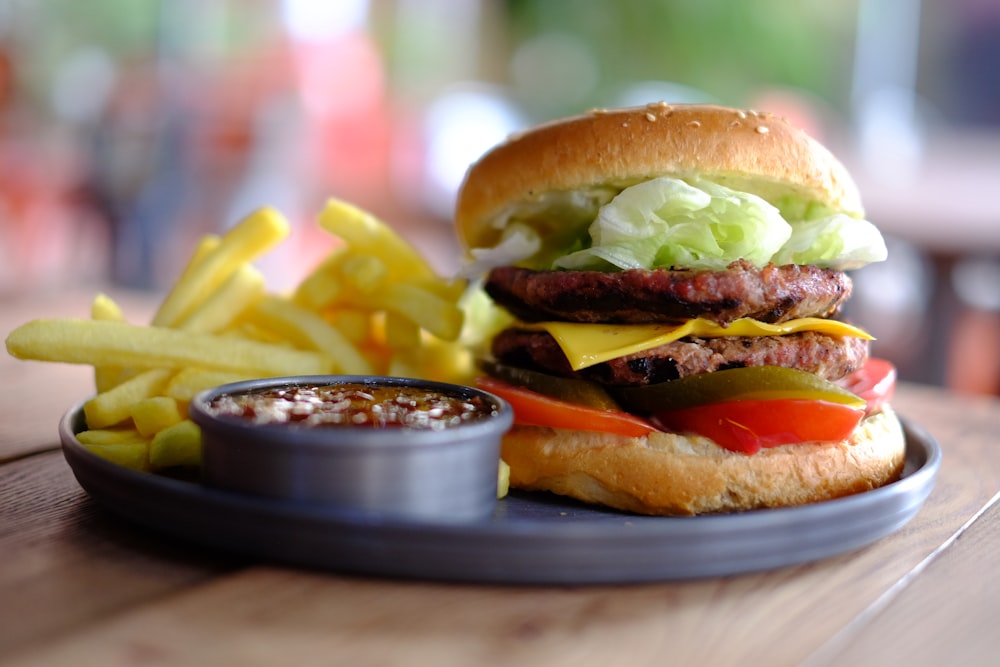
(80, 586)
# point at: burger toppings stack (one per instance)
(669, 278)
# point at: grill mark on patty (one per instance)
(770, 294)
(828, 356)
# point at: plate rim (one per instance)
(657, 548)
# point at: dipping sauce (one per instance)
(354, 404)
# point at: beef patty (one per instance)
(828, 356)
(770, 294)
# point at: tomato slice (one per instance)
(875, 382)
(747, 426)
(739, 425)
(534, 409)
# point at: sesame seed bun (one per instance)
(554, 178)
(746, 150)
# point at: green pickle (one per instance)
(735, 384)
(581, 392)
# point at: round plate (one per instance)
(530, 539)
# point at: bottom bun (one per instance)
(671, 474)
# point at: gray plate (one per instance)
(530, 539)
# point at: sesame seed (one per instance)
(695, 123)
(651, 117)
(761, 129)
(741, 114)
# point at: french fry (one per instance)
(134, 455)
(404, 364)
(366, 234)
(429, 311)
(223, 306)
(152, 415)
(114, 406)
(354, 323)
(309, 330)
(123, 446)
(373, 305)
(503, 479)
(364, 272)
(446, 362)
(110, 436)
(176, 445)
(206, 246)
(94, 342)
(401, 333)
(104, 308)
(323, 285)
(244, 330)
(189, 382)
(343, 273)
(252, 236)
(451, 290)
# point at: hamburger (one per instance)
(669, 279)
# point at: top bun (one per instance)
(747, 150)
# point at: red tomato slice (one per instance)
(746, 426)
(874, 382)
(534, 409)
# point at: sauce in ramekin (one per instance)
(353, 404)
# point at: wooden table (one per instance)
(78, 586)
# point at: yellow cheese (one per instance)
(588, 344)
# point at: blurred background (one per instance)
(129, 128)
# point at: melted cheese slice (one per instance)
(588, 344)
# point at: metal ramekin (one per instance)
(400, 473)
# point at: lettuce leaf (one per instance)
(518, 243)
(667, 222)
(836, 242)
(675, 223)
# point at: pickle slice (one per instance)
(734, 384)
(571, 390)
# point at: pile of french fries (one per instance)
(373, 306)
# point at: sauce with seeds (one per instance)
(354, 404)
